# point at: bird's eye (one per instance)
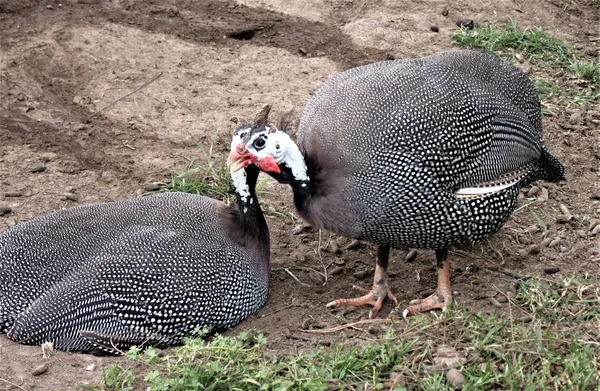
(259, 143)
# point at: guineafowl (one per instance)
(423, 153)
(150, 270)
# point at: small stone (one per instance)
(337, 270)
(90, 367)
(554, 242)
(563, 219)
(411, 256)
(333, 247)
(542, 195)
(595, 231)
(29, 108)
(302, 51)
(551, 270)
(502, 299)
(39, 370)
(455, 378)
(535, 249)
(532, 229)
(495, 302)
(434, 28)
(575, 118)
(339, 262)
(523, 239)
(445, 12)
(13, 194)
(522, 253)
(38, 169)
(563, 208)
(71, 197)
(546, 242)
(360, 275)
(465, 23)
(4, 210)
(50, 7)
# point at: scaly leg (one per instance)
(442, 298)
(380, 289)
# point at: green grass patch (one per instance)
(565, 77)
(210, 178)
(546, 339)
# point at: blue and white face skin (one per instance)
(271, 150)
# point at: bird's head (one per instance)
(268, 148)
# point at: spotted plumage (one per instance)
(149, 270)
(427, 153)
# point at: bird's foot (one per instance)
(374, 297)
(441, 299)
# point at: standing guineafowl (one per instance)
(150, 270)
(427, 153)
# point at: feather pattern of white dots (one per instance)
(146, 270)
(397, 148)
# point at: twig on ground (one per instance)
(12, 384)
(295, 278)
(347, 325)
(321, 258)
(126, 95)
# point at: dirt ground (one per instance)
(71, 133)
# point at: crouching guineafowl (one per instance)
(426, 153)
(149, 270)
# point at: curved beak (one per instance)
(239, 157)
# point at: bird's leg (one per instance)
(442, 298)
(380, 289)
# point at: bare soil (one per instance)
(70, 134)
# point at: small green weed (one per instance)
(115, 378)
(555, 349)
(211, 179)
(579, 77)
(535, 45)
(567, 300)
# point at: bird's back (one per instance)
(403, 136)
(148, 269)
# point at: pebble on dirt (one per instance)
(465, 23)
(40, 369)
(38, 169)
(4, 210)
(411, 256)
(337, 270)
(71, 197)
(434, 28)
(455, 378)
(551, 270)
(360, 275)
(13, 194)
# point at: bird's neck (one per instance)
(303, 194)
(253, 226)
